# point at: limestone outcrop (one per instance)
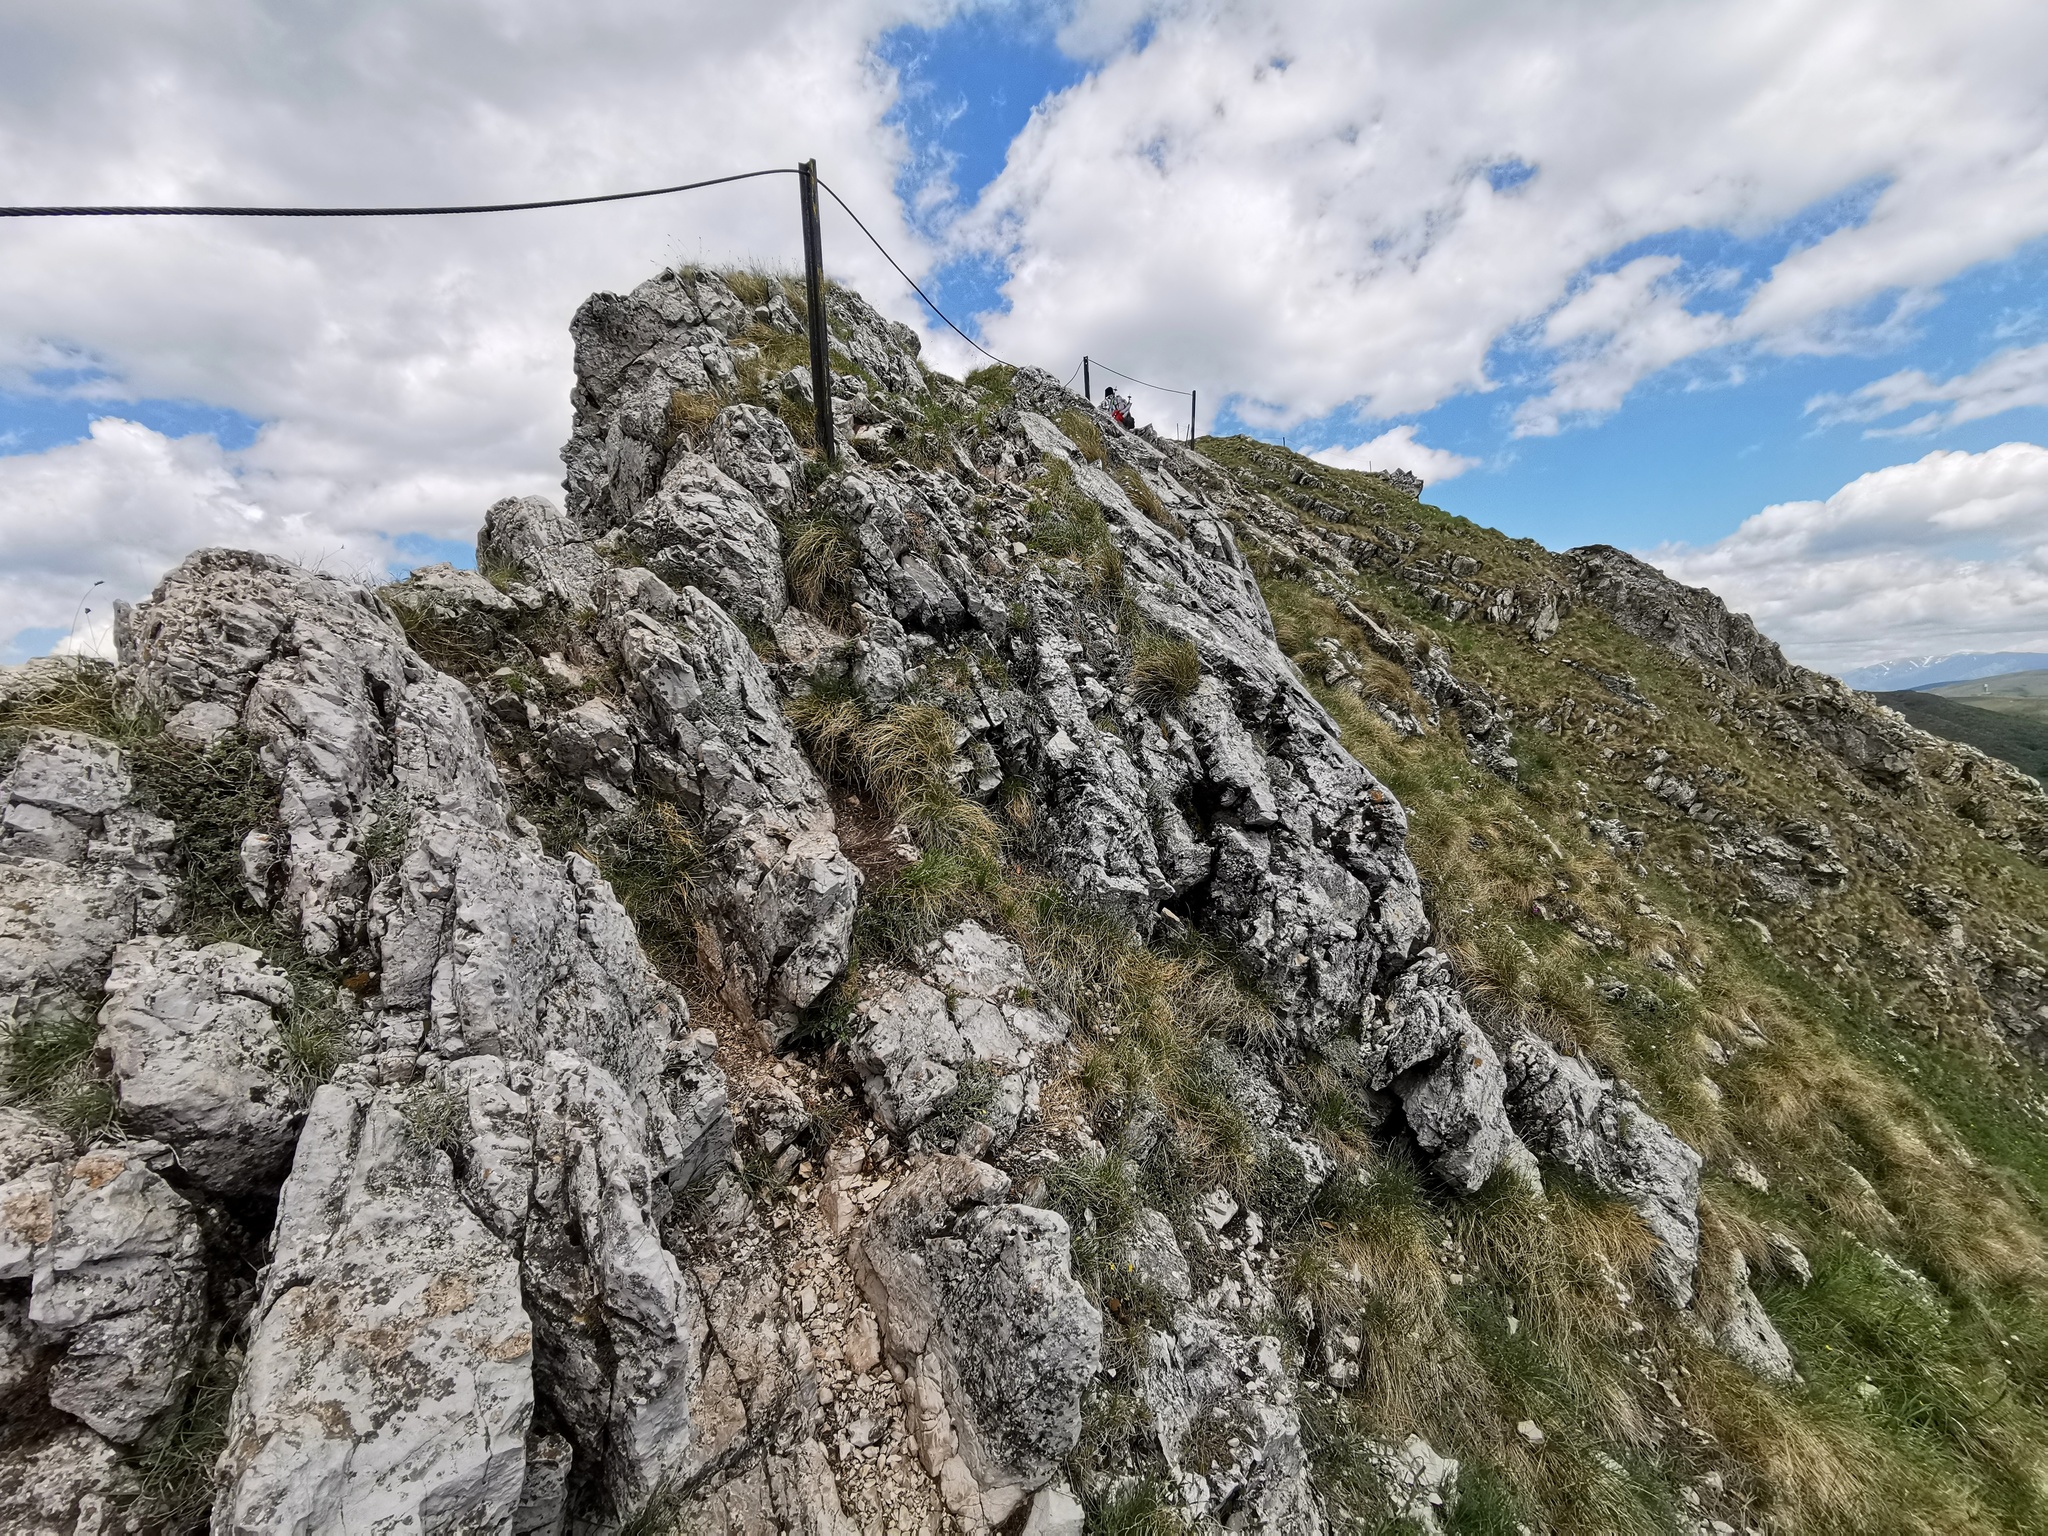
(793, 994)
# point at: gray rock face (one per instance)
(1424, 1045)
(978, 1303)
(1206, 1373)
(531, 536)
(752, 447)
(116, 1261)
(717, 743)
(59, 793)
(389, 1380)
(617, 1324)
(197, 1059)
(65, 1481)
(971, 1008)
(81, 872)
(703, 529)
(1600, 1130)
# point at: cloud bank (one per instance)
(408, 372)
(1947, 553)
(1339, 203)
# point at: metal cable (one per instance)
(1099, 363)
(366, 213)
(928, 304)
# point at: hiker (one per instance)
(1118, 407)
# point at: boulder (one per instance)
(1423, 1044)
(121, 1277)
(979, 1305)
(197, 1059)
(389, 1380)
(971, 1008)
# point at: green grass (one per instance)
(1164, 669)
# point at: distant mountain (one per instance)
(1927, 671)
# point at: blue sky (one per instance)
(1630, 275)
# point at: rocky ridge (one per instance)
(874, 998)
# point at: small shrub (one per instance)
(907, 750)
(435, 1120)
(819, 558)
(1164, 669)
(690, 415)
(317, 1038)
(654, 860)
(829, 718)
(942, 818)
(969, 1101)
(998, 381)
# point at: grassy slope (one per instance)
(1903, 1149)
(2012, 728)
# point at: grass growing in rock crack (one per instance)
(174, 1465)
(1164, 669)
(46, 1064)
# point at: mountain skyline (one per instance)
(1749, 290)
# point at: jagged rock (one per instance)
(752, 447)
(718, 743)
(1741, 1328)
(1234, 1387)
(389, 1380)
(197, 1060)
(530, 535)
(119, 1274)
(970, 1008)
(58, 793)
(320, 674)
(64, 1481)
(978, 1304)
(1155, 1257)
(701, 528)
(1691, 621)
(616, 1323)
(1600, 1130)
(81, 872)
(1423, 1044)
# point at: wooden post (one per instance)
(1193, 396)
(1087, 384)
(814, 297)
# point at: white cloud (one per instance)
(1398, 449)
(410, 371)
(126, 503)
(2012, 379)
(1947, 553)
(1289, 202)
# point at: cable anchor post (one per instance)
(814, 300)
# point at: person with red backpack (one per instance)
(1118, 407)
